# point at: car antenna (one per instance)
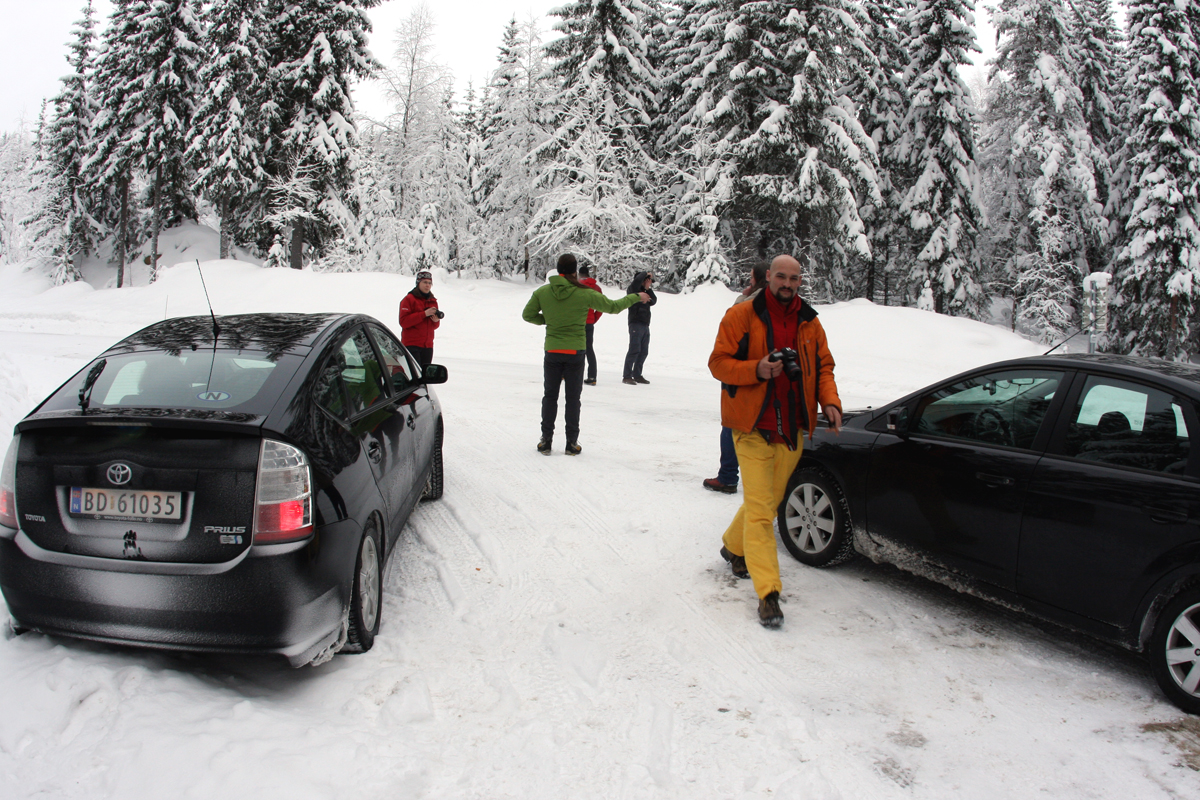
(216, 329)
(1064, 341)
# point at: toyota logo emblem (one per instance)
(119, 474)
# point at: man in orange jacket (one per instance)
(768, 410)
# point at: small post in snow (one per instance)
(1095, 306)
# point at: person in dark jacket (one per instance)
(590, 326)
(639, 330)
(419, 318)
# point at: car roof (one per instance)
(1182, 374)
(272, 333)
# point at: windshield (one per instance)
(227, 380)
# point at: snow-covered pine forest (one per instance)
(690, 137)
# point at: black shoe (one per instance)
(639, 379)
(717, 486)
(737, 564)
(768, 611)
(544, 446)
(573, 449)
(590, 381)
(629, 381)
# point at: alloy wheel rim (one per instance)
(1183, 650)
(368, 583)
(810, 518)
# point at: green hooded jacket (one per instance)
(562, 307)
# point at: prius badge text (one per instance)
(229, 534)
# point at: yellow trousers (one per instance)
(766, 469)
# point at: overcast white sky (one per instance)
(34, 36)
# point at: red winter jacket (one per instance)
(416, 329)
(593, 314)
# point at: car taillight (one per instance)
(8, 485)
(283, 511)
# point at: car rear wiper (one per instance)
(85, 392)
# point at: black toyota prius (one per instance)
(225, 484)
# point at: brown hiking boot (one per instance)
(768, 611)
(737, 564)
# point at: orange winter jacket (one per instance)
(742, 342)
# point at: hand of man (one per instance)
(768, 369)
(645, 297)
(834, 415)
(429, 312)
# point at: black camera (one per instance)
(790, 368)
(439, 313)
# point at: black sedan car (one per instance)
(227, 484)
(1064, 486)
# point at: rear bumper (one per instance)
(291, 603)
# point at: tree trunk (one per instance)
(156, 223)
(226, 233)
(296, 257)
(122, 227)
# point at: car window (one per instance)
(395, 361)
(331, 390)
(225, 380)
(1003, 408)
(361, 373)
(1126, 424)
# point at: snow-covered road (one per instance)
(563, 627)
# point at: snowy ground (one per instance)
(563, 627)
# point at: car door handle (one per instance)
(1161, 514)
(374, 452)
(994, 480)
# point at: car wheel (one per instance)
(814, 519)
(1175, 650)
(366, 603)
(433, 486)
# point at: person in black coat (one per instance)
(639, 330)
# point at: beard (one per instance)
(784, 295)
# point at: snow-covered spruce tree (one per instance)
(1051, 207)
(165, 52)
(64, 220)
(883, 105)
(111, 165)
(588, 206)
(769, 79)
(1158, 260)
(515, 126)
(228, 138)
(707, 188)
(316, 49)
(942, 207)
(1100, 65)
(444, 165)
(18, 196)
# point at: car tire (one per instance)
(433, 485)
(366, 602)
(1175, 650)
(814, 519)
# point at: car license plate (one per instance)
(126, 505)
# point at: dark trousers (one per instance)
(423, 355)
(591, 353)
(559, 368)
(639, 348)
(728, 474)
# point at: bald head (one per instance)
(783, 278)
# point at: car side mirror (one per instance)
(897, 420)
(434, 373)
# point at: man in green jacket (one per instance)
(562, 306)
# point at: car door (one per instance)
(413, 394)
(951, 488)
(1114, 502)
(381, 421)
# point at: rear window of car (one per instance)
(224, 380)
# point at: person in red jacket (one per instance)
(419, 318)
(590, 326)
